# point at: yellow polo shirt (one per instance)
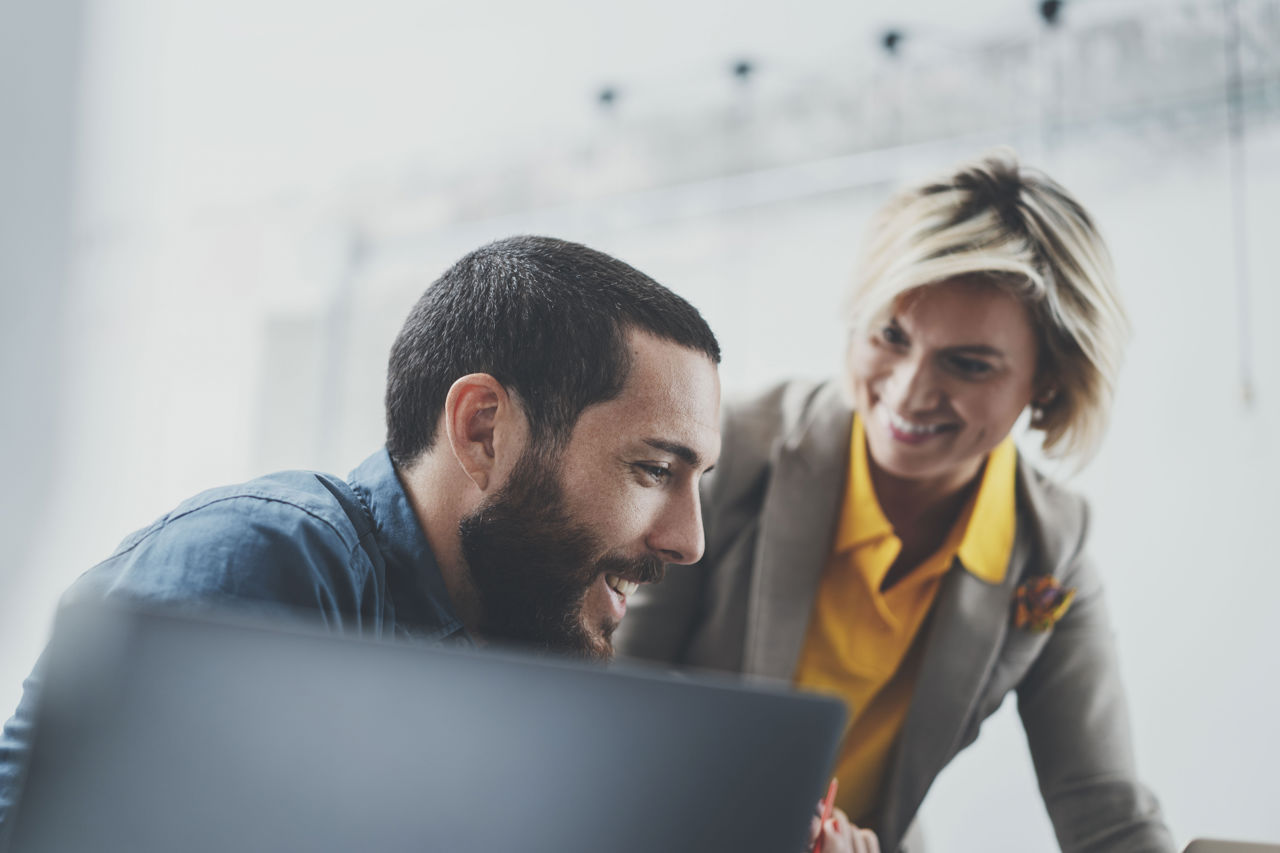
(859, 644)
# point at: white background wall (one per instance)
(265, 188)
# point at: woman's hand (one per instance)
(841, 836)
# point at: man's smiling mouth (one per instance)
(622, 586)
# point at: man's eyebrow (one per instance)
(686, 454)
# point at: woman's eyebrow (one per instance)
(978, 349)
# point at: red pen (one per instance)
(827, 805)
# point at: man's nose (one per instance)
(677, 536)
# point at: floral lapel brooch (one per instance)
(1040, 603)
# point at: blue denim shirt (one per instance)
(351, 554)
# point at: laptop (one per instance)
(162, 732)
(1211, 845)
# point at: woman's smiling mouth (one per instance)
(910, 432)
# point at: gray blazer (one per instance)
(770, 513)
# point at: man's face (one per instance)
(559, 548)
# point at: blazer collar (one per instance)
(797, 526)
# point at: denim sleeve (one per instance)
(260, 556)
(255, 554)
(14, 741)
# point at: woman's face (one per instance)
(943, 381)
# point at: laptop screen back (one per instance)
(160, 733)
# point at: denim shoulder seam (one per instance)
(164, 522)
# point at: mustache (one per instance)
(646, 569)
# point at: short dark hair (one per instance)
(546, 318)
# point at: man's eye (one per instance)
(655, 473)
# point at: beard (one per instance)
(532, 563)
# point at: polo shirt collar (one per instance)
(988, 539)
(861, 519)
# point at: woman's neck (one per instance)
(922, 511)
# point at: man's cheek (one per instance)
(595, 604)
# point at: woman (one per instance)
(899, 552)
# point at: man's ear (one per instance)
(484, 427)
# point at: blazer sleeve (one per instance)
(1074, 711)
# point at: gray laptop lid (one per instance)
(1212, 845)
(164, 733)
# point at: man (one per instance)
(550, 411)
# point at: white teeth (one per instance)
(625, 587)
(903, 425)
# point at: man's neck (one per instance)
(437, 493)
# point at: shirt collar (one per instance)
(861, 519)
(988, 540)
(414, 583)
(991, 522)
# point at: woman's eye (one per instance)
(970, 366)
(893, 336)
(655, 473)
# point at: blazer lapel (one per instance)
(965, 634)
(797, 524)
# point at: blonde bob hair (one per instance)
(996, 220)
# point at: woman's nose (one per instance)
(913, 387)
